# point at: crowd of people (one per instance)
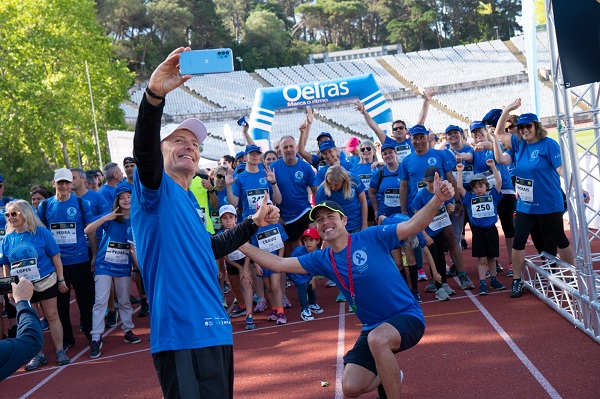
(371, 216)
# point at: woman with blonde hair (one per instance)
(29, 250)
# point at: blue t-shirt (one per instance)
(98, 204)
(483, 209)
(388, 191)
(401, 218)
(3, 202)
(108, 192)
(412, 169)
(318, 162)
(350, 206)
(251, 188)
(403, 148)
(372, 269)
(298, 278)
(537, 181)
(364, 173)
(468, 171)
(30, 255)
(175, 257)
(440, 220)
(114, 252)
(66, 223)
(480, 166)
(320, 178)
(293, 181)
(214, 213)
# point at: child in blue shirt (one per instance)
(305, 283)
(482, 207)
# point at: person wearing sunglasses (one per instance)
(365, 169)
(538, 172)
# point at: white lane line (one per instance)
(517, 351)
(339, 368)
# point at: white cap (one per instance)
(63, 174)
(193, 125)
(227, 209)
(260, 201)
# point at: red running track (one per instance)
(474, 347)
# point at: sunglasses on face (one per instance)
(527, 126)
(509, 128)
(1, 185)
(220, 176)
(11, 214)
(366, 149)
(395, 129)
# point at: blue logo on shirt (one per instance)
(299, 175)
(359, 257)
(263, 181)
(71, 211)
(432, 161)
(534, 154)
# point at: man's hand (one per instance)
(429, 93)
(309, 115)
(229, 177)
(23, 290)
(266, 214)
(207, 184)
(358, 106)
(165, 77)
(443, 190)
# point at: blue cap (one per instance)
(242, 122)
(527, 118)
(453, 127)
(123, 187)
(253, 148)
(240, 154)
(418, 129)
(240, 168)
(491, 118)
(1, 178)
(388, 145)
(476, 125)
(327, 144)
(324, 134)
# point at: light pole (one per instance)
(496, 29)
(241, 60)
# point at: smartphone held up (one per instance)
(201, 62)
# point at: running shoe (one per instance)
(62, 358)
(452, 272)
(449, 290)
(516, 289)
(316, 309)
(250, 322)
(509, 273)
(237, 312)
(499, 268)
(430, 287)
(273, 316)
(144, 310)
(134, 300)
(226, 288)
(131, 338)
(330, 284)
(497, 285)
(340, 297)
(442, 295)
(416, 295)
(421, 275)
(465, 282)
(463, 244)
(224, 303)
(3, 313)
(306, 315)
(45, 325)
(111, 319)
(281, 319)
(286, 303)
(483, 288)
(255, 298)
(95, 349)
(37, 361)
(261, 305)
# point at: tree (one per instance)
(266, 37)
(46, 113)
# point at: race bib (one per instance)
(482, 207)
(253, 196)
(118, 253)
(403, 151)
(270, 240)
(441, 220)
(26, 268)
(216, 220)
(236, 255)
(421, 185)
(489, 175)
(467, 173)
(524, 189)
(202, 215)
(391, 197)
(366, 179)
(64, 233)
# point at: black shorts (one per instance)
(370, 214)
(196, 373)
(232, 270)
(486, 243)
(50, 293)
(411, 331)
(295, 229)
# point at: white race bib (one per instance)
(216, 220)
(524, 189)
(64, 233)
(253, 196)
(441, 220)
(467, 173)
(236, 255)
(489, 175)
(403, 151)
(421, 185)
(270, 240)
(482, 207)
(366, 180)
(26, 268)
(391, 197)
(118, 252)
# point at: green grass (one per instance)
(585, 138)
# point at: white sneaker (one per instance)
(430, 287)
(306, 315)
(449, 290)
(316, 309)
(329, 284)
(442, 295)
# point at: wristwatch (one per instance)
(249, 217)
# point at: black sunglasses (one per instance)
(1, 185)
(220, 176)
(527, 126)
(509, 128)
(398, 128)
(11, 214)
(366, 149)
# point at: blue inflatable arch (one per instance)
(268, 100)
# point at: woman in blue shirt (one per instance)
(30, 251)
(364, 171)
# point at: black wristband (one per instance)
(153, 94)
